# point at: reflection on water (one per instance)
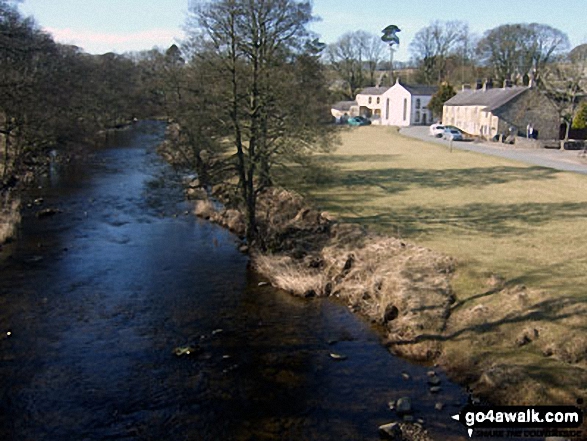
(98, 297)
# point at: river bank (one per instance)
(403, 287)
(407, 289)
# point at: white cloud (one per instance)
(99, 42)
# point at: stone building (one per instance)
(509, 110)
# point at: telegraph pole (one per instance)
(389, 36)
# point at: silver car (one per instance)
(452, 135)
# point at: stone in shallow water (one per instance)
(338, 357)
(391, 431)
(403, 406)
(181, 351)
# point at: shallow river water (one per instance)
(95, 299)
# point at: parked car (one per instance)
(452, 134)
(358, 121)
(436, 130)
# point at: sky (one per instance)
(100, 26)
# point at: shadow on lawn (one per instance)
(493, 219)
(548, 311)
(395, 180)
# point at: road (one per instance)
(564, 160)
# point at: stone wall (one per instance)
(530, 108)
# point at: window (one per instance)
(370, 100)
(378, 100)
(417, 118)
(387, 109)
(418, 103)
(405, 109)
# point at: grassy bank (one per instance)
(517, 329)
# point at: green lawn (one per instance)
(519, 233)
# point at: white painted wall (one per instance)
(403, 107)
(474, 120)
(399, 98)
(372, 102)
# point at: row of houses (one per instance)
(489, 112)
(485, 111)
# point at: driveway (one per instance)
(564, 160)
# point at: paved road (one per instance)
(567, 160)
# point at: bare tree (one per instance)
(346, 57)
(433, 44)
(564, 83)
(372, 49)
(256, 56)
(515, 50)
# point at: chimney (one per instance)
(488, 84)
(466, 86)
(507, 83)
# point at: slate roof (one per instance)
(373, 91)
(344, 105)
(491, 99)
(420, 89)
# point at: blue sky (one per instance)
(100, 26)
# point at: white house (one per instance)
(370, 103)
(405, 105)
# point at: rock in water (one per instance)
(404, 406)
(181, 351)
(391, 431)
(338, 357)
(48, 212)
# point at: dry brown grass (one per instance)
(291, 275)
(9, 217)
(404, 287)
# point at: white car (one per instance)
(436, 130)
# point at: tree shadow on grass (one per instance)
(492, 219)
(395, 180)
(338, 160)
(549, 311)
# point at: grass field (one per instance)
(518, 232)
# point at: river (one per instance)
(95, 299)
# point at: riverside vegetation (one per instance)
(498, 304)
